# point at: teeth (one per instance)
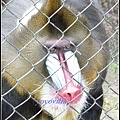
(55, 70)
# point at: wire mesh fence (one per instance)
(110, 9)
(26, 81)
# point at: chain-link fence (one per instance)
(110, 8)
(23, 66)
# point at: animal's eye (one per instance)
(53, 49)
(68, 46)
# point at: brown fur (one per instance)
(34, 51)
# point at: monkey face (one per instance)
(65, 89)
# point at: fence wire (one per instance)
(109, 9)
